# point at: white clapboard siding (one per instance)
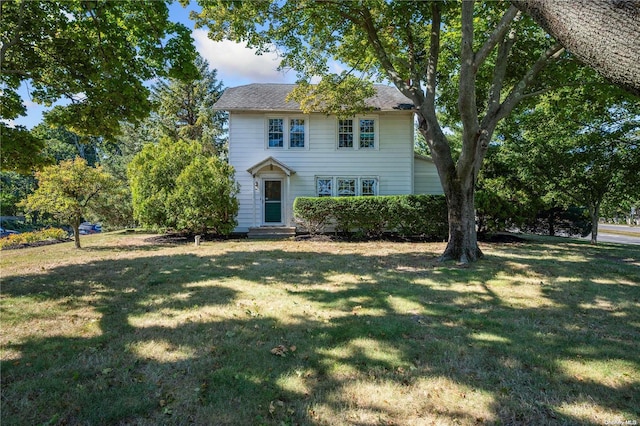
(392, 162)
(425, 177)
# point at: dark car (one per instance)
(7, 232)
(89, 228)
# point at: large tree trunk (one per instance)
(604, 34)
(463, 238)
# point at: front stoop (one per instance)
(272, 232)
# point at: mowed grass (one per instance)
(126, 331)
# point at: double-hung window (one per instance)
(345, 133)
(296, 133)
(276, 133)
(360, 132)
(367, 132)
(287, 132)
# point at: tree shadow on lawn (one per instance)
(366, 340)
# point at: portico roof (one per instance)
(271, 162)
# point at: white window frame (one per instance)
(343, 178)
(356, 133)
(286, 144)
(375, 186)
(331, 185)
(359, 180)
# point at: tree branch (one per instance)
(467, 94)
(467, 89)
(16, 37)
(496, 36)
(434, 51)
(381, 53)
(517, 93)
(499, 72)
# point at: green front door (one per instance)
(273, 201)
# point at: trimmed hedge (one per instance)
(407, 215)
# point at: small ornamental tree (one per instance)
(67, 191)
(179, 185)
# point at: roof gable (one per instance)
(272, 97)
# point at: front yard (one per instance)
(127, 331)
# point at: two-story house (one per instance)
(279, 153)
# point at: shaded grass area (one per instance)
(319, 333)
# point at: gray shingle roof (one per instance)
(271, 97)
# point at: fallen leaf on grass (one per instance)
(280, 350)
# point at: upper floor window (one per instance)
(360, 132)
(345, 133)
(367, 133)
(296, 133)
(287, 132)
(276, 133)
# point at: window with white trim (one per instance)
(367, 133)
(276, 133)
(368, 186)
(287, 132)
(345, 133)
(296, 133)
(360, 132)
(346, 186)
(324, 187)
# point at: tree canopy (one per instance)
(588, 150)
(95, 55)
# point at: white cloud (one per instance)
(237, 64)
(9, 123)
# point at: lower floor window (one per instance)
(324, 187)
(346, 187)
(368, 186)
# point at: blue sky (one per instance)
(236, 64)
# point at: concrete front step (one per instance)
(272, 232)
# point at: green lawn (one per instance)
(126, 331)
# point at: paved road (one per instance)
(605, 237)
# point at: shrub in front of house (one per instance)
(405, 215)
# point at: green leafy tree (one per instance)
(180, 185)
(68, 191)
(14, 187)
(96, 55)
(205, 197)
(479, 59)
(185, 108)
(20, 150)
(587, 152)
(117, 211)
(62, 144)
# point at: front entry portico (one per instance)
(271, 201)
